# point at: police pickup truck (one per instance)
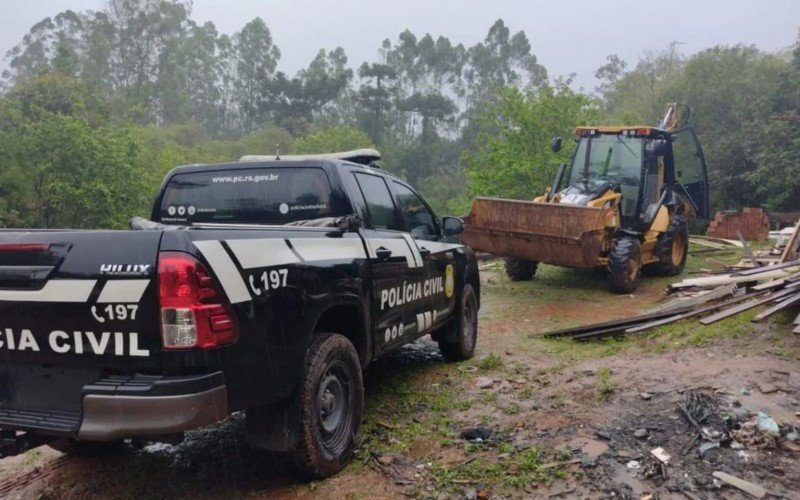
(264, 285)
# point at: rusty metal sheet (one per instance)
(564, 235)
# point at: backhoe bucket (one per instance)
(563, 235)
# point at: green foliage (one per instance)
(332, 139)
(57, 171)
(514, 158)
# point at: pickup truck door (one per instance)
(438, 256)
(397, 267)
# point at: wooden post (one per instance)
(787, 252)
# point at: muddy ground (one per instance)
(564, 419)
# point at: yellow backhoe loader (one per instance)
(629, 194)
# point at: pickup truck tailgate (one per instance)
(82, 298)
(75, 306)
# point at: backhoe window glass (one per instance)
(259, 196)
(613, 159)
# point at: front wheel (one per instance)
(331, 406)
(624, 265)
(466, 329)
(520, 269)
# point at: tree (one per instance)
(375, 99)
(294, 102)
(333, 139)
(256, 60)
(514, 159)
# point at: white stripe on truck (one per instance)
(123, 291)
(225, 269)
(53, 291)
(262, 252)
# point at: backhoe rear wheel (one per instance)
(520, 269)
(672, 248)
(624, 265)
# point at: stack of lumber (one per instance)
(772, 285)
(753, 223)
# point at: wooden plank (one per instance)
(696, 312)
(748, 252)
(701, 298)
(759, 270)
(787, 252)
(703, 243)
(752, 489)
(607, 326)
(744, 307)
(776, 308)
(725, 279)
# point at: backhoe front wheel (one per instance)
(672, 248)
(624, 265)
(520, 269)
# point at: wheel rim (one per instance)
(678, 249)
(468, 329)
(334, 407)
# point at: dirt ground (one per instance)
(557, 419)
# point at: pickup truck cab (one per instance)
(264, 285)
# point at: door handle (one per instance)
(424, 252)
(383, 253)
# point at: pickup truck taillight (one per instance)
(194, 314)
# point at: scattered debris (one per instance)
(767, 424)
(640, 433)
(661, 455)
(475, 433)
(646, 396)
(634, 465)
(746, 486)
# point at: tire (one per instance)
(672, 248)
(76, 448)
(624, 265)
(463, 347)
(520, 269)
(331, 406)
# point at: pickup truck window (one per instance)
(266, 195)
(380, 207)
(419, 220)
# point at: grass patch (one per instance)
(517, 471)
(605, 386)
(490, 362)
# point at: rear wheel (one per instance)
(331, 406)
(463, 346)
(520, 269)
(672, 248)
(624, 265)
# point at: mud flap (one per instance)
(274, 427)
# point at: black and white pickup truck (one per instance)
(261, 285)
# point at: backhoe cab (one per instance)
(628, 194)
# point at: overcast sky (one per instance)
(566, 36)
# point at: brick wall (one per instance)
(752, 222)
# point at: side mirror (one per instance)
(452, 226)
(555, 144)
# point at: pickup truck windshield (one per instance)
(264, 195)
